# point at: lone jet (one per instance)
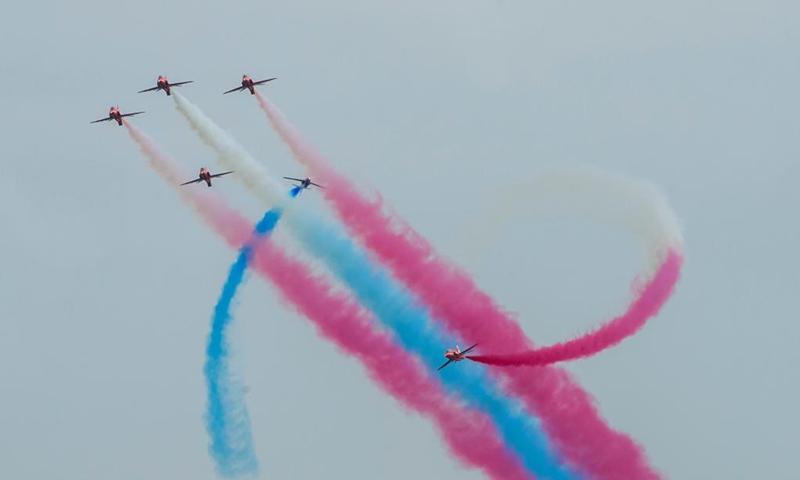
(455, 355)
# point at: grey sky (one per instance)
(108, 280)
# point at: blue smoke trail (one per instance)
(227, 421)
(417, 332)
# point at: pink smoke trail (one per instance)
(646, 305)
(470, 435)
(567, 411)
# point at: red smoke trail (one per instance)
(567, 411)
(646, 305)
(469, 434)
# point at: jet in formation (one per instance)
(249, 84)
(205, 176)
(163, 84)
(304, 182)
(113, 114)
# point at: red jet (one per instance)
(113, 114)
(455, 355)
(304, 182)
(205, 176)
(248, 84)
(163, 84)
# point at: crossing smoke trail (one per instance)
(567, 411)
(227, 420)
(469, 435)
(391, 304)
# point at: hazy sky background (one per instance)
(108, 281)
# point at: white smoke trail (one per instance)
(306, 224)
(584, 193)
(231, 155)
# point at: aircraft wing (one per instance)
(193, 181)
(237, 89)
(178, 84)
(317, 184)
(130, 114)
(295, 179)
(220, 174)
(102, 120)
(446, 364)
(262, 82)
(150, 89)
(470, 348)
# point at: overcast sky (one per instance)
(108, 281)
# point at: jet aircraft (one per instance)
(248, 84)
(113, 114)
(455, 355)
(304, 182)
(206, 176)
(163, 84)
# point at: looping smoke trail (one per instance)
(595, 194)
(567, 411)
(391, 304)
(645, 306)
(470, 435)
(227, 420)
(585, 193)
